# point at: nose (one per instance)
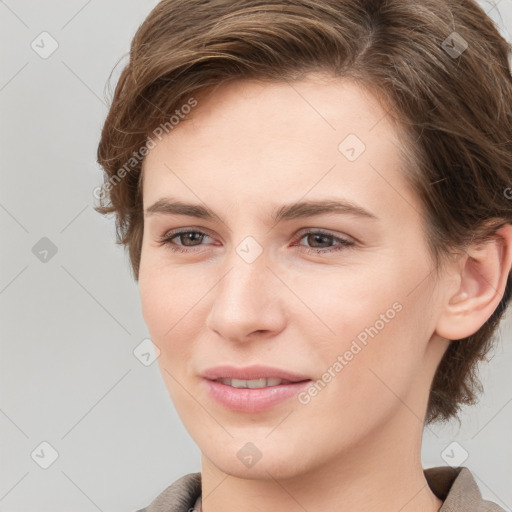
(248, 301)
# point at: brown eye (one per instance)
(186, 238)
(317, 238)
(189, 237)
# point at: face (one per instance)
(337, 304)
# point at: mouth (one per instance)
(254, 374)
(252, 389)
(254, 383)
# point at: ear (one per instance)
(482, 277)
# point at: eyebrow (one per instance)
(298, 210)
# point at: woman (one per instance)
(314, 199)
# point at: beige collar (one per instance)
(455, 486)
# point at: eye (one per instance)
(190, 239)
(316, 236)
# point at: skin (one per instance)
(246, 149)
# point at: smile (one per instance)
(253, 383)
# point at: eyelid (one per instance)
(186, 229)
(322, 231)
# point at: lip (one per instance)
(251, 372)
(252, 400)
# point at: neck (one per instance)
(382, 473)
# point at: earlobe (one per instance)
(482, 279)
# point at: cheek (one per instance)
(164, 312)
(153, 302)
(343, 305)
(372, 335)
(164, 309)
(166, 295)
(383, 375)
(171, 306)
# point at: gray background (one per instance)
(70, 325)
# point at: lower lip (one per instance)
(253, 400)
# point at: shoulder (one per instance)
(180, 496)
(458, 489)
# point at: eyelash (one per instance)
(166, 240)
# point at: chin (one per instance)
(256, 457)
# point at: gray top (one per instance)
(455, 486)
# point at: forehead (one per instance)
(321, 104)
(315, 135)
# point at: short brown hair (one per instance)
(453, 102)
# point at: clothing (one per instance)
(455, 486)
